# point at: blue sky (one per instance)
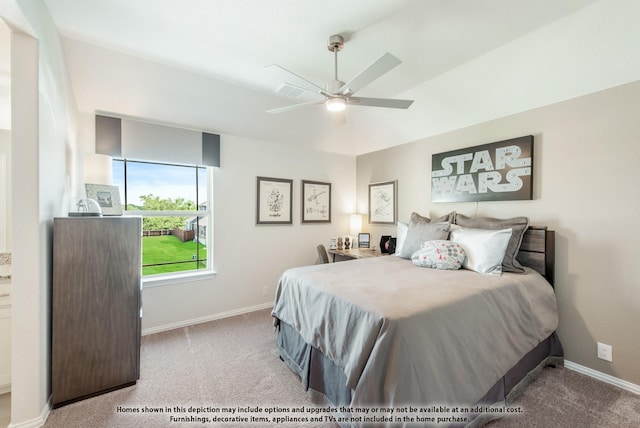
(165, 181)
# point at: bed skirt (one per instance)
(326, 383)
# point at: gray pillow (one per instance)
(518, 226)
(417, 218)
(419, 232)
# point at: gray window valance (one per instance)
(131, 139)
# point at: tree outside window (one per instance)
(172, 200)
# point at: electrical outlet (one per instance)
(605, 352)
(265, 291)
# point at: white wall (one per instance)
(249, 257)
(6, 236)
(43, 143)
(586, 155)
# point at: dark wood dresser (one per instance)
(96, 306)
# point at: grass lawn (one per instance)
(165, 249)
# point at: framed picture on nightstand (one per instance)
(363, 240)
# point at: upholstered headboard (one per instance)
(538, 251)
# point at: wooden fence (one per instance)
(181, 234)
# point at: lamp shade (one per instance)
(355, 224)
(97, 169)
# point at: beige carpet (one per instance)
(234, 362)
(564, 398)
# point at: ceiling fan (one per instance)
(338, 94)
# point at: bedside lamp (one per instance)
(355, 227)
(355, 224)
(97, 169)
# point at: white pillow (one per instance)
(401, 235)
(484, 248)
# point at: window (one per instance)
(174, 202)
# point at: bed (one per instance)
(383, 333)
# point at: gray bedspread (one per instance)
(404, 334)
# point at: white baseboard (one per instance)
(35, 422)
(5, 382)
(631, 387)
(208, 318)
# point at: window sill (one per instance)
(178, 278)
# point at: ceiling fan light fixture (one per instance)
(335, 103)
(338, 93)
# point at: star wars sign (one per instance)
(499, 171)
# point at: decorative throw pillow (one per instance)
(417, 218)
(485, 249)
(518, 226)
(439, 254)
(417, 233)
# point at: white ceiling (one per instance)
(228, 43)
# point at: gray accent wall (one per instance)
(585, 188)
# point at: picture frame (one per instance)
(364, 240)
(315, 202)
(382, 202)
(500, 171)
(107, 197)
(274, 201)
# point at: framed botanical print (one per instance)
(382, 202)
(274, 201)
(316, 202)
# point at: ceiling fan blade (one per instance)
(380, 102)
(301, 81)
(376, 69)
(294, 107)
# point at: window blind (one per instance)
(131, 139)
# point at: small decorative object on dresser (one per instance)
(85, 207)
(346, 243)
(108, 197)
(339, 243)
